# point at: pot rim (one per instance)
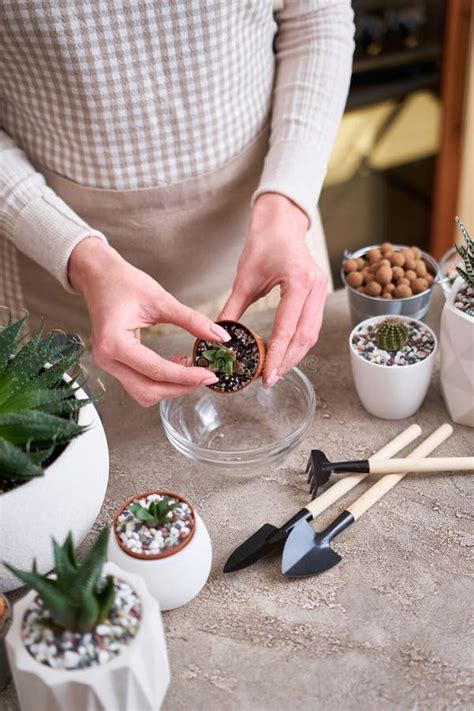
(80, 394)
(363, 250)
(153, 556)
(261, 353)
(458, 283)
(395, 366)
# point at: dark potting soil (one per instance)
(246, 351)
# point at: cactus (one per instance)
(78, 598)
(392, 335)
(220, 359)
(36, 405)
(156, 513)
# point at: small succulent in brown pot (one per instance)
(237, 363)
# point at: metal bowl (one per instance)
(363, 306)
(243, 431)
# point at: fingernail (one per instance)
(210, 381)
(220, 332)
(272, 378)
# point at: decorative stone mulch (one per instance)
(139, 538)
(420, 345)
(246, 351)
(76, 650)
(464, 299)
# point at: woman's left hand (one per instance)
(276, 253)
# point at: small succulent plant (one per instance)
(156, 513)
(392, 335)
(36, 404)
(78, 598)
(466, 252)
(220, 359)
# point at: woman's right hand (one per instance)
(121, 300)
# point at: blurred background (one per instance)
(403, 164)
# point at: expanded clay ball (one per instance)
(429, 278)
(350, 265)
(374, 255)
(410, 260)
(384, 275)
(384, 263)
(397, 259)
(390, 288)
(419, 285)
(398, 272)
(416, 252)
(420, 268)
(354, 279)
(387, 295)
(373, 289)
(387, 247)
(360, 261)
(361, 289)
(369, 278)
(402, 291)
(410, 274)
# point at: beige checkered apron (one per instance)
(188, 236)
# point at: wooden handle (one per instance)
(342, 486)
(430, 464)
(382, 486)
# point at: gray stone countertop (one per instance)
(387, 628)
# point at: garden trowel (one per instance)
(270, 538)
(309, 553)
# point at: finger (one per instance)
(193, 321)
(148, 363)
(145, 391)
(182, 359)
(286, 321)
(307, 331)
(237, 303)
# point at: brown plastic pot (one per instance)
(261, 355)
(153, 556)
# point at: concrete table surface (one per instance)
(388, 628)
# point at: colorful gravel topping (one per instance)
(419, 346)
(63, 649)
(152, 538)
(464, 300)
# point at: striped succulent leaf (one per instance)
(466, 252)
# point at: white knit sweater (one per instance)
(123, 95)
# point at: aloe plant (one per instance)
(78, 598)
(221, 359)
(36, 404)
(156, 513)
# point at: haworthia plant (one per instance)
(79, 597)
(156, 513)
(36, 404)
(220, 359)
(466, 252)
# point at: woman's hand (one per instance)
(122, 299)
(275, 253)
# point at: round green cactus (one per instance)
(392, 335)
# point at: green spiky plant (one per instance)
(220, 359)
(156, 513)
(392, 335)
(466, 252)
(37, 406)
(78, 598)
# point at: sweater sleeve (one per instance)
(314, 48)
(33, 217)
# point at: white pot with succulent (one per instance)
(392, 363)
(89, 637)
(160, 536)
(457, 339)
(53, 451)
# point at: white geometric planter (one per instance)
(135, 680)
(176, 579)
(67, 498)
(457, 360)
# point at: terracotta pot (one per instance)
(137, 678)
(75, 483)
(176, 576)
(261, 355)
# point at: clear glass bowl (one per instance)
(243, 430)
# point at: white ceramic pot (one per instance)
(136, 679)
(391, 392)
(177, 578)
(67, 498)
(457, 359)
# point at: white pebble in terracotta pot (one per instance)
(175, 572)
(396, 391)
